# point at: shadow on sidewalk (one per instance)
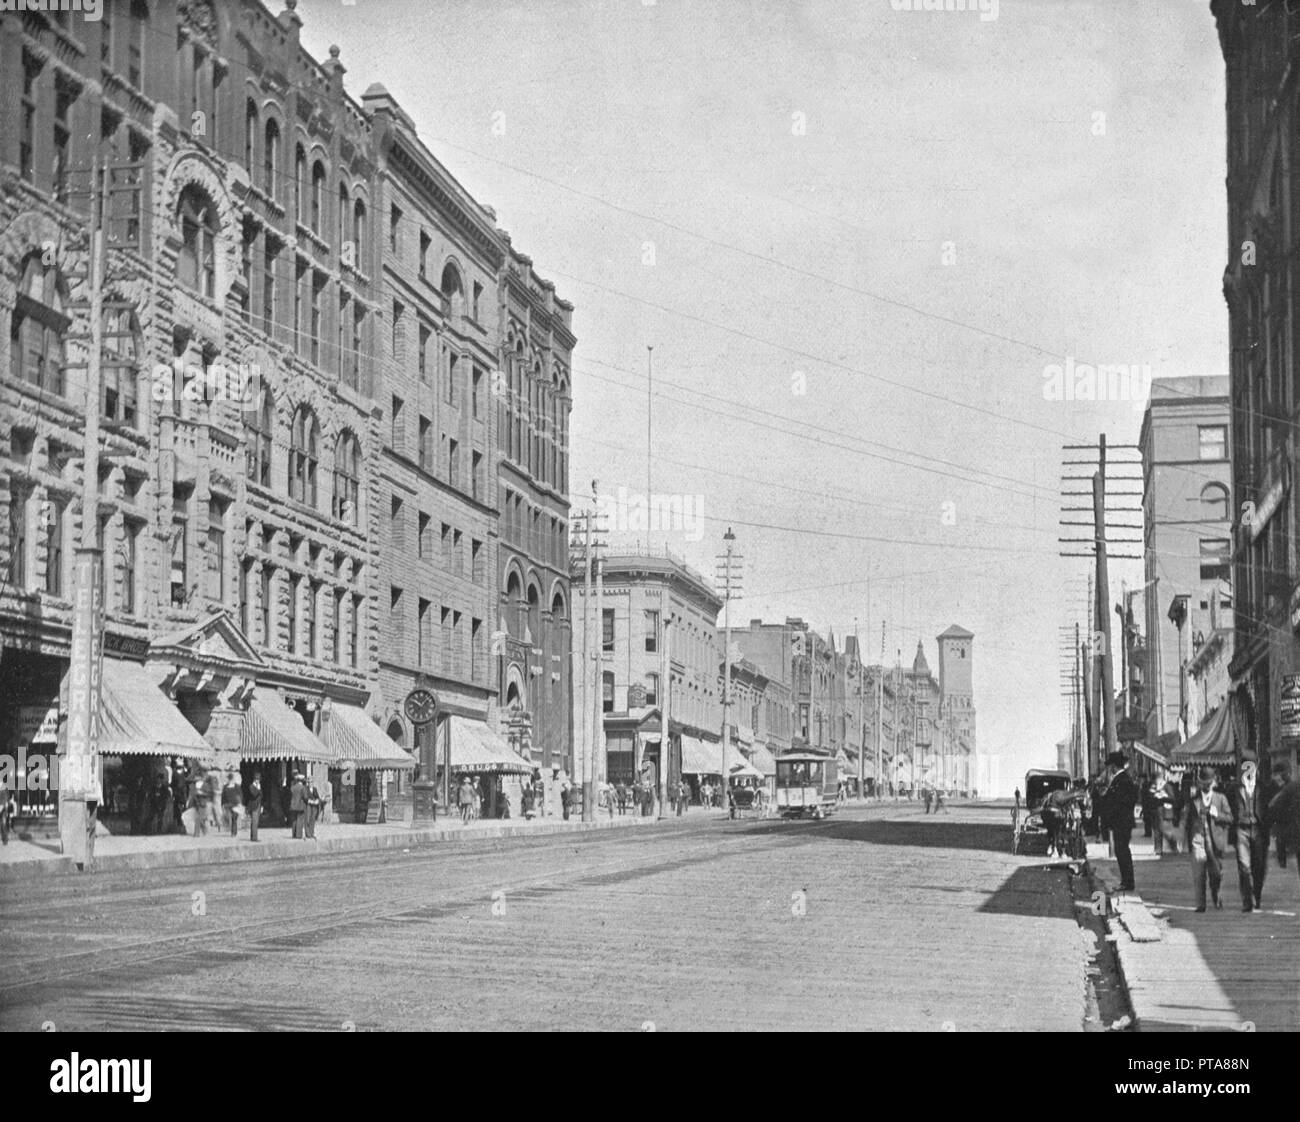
(930, 833)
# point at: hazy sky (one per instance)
(856, 238)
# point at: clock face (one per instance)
(421, 706)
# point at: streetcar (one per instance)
(807, 783)
(1039, 783)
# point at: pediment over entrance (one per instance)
(217, 640)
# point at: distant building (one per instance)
(1187, 535)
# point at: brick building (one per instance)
(298, 499)
(1261, 51)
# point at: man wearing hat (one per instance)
(1117, 815)
(298, 804)
(1207, 817)
(1249, 801)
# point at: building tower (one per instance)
(956, 695)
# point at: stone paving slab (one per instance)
(1212, 971)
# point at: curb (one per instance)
(26, 871)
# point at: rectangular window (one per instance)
(135, 45)
(344, 335)
(336, 627)
(476, 663)
(1216, 559)
(291, 617)
(398, 437)
(246, 596)
(354, 353)
(270, 255)
(317, 302)
(426, 444)
(607, 629)
(180, 587)
(395, 613)
(424, 353)
(398, 310)
(266, 595)
(444, 546)
(27, 127)
(394, 226)
(652, 692)
(1213, 442)
(424, 546)
(424, 639)
(64, 96)
(476, 474)
(397, 526)
(475, 391)
(354, 634)
(309, 620)
(458, 553)
(476, 561)
(651, 632)
(607, 692)
(451, 378)
(424, 255)
(130, 564)
(19, 499)
(478, 294)
(299, 325)
(446, 641)
(216, 551)
(453, 463)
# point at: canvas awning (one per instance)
(476, 748)
(700, 757)
(762, 760)
(273, 731)
(138, 719)
(357, 740)
(1214, 742)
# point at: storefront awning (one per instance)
(475, 748)
(1214, 742)
(355, 739)
(138, 719)
(762, 760)
(273, 731)
(699, 757)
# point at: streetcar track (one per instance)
(275, 933)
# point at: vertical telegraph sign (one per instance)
(79, 772)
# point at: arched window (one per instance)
(347, 479)
(318, 198)
(514, 599)
(453, 288)
(299, 181)
(304, 452)
(250, 135)
(123, 346)
(534, 615)
(271, 159)
(196, 267)
(1214, 503)
(345, 209)
(39, 325)
(559, 612)
(259, 426)
(359, 232)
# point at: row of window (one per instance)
(534, 420)
(525, 527)
(320, 622)
(440, 636)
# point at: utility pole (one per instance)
(649, 415)
(665, 685)
(880, 715)
(589, 696)
(1076, 731)
(729, 572)
(79, 792)
(1103, 601)
(862, 738)
(595, 739)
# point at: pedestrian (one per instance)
(566, 799)
(927, 798)
(1284, 815)
(1249, 800)
(1207, 817)
(202, 804)
(1017, 798)
(526, 801)
(1117, 805)
(231, 802)
(315, 804)
(682, 794)
(8, 812)
(254, 805)
(607, 793)
(1150, 809)
(1168, 805)
(465, 800)
(298, 804)
(938, 802)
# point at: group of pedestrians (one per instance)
(934, 798)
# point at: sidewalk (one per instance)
(1217, 970)
(23, 860)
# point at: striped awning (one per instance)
(763, 760)
(273, 731)
(1214, 743)
(476, 749)
(355, 739)
(138, 719)
(700, 757)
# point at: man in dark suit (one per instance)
(298, 805)
(1206, 818)
(254, 805)
(1117, 815)
(1249, 801)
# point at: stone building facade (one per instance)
(263, 317)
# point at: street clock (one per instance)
(421, 706)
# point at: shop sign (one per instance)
(1295, 608)
(1289, 706)
(1261, 513)
(38, 724)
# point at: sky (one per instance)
(857, 239)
